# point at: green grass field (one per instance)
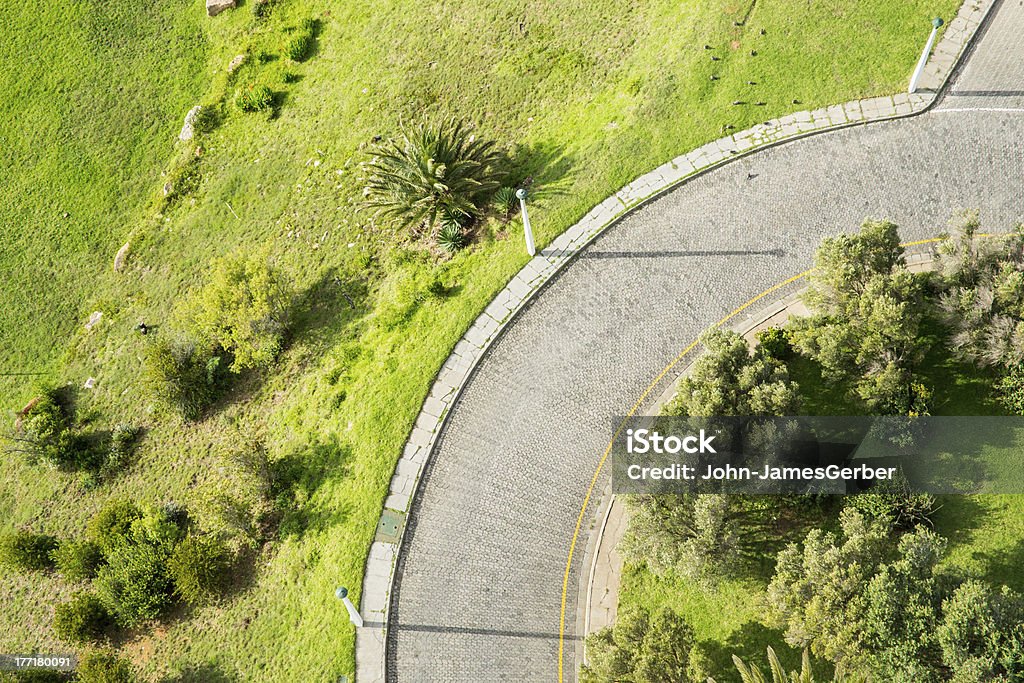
(588, 95)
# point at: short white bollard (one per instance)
(353, 613)
(527, 230)
(936, 23)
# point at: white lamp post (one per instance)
(936, 23)
(353, 613)
(527, 230)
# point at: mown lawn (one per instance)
(587, 95)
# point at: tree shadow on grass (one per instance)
(299, 482)
(750, 643)
(544, 168)
(323, 311)
(1004, 566)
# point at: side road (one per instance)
(479, 581)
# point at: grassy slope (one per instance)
(593, 93)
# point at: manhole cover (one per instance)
(389, 528)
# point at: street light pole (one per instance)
(936, 23)
(353, 613)
(527, 230)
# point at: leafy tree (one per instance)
(894, 502)
(984, 298)
(982, 633)
(814, 588)
(728, 380)
(244, 309)
(1010, 389)
(26, 551)
(84, 619)
(431, 173)
(696, 536)
(867, 315)
(640, 649)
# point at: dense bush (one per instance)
(46, 431)
(122, 442)
(254, 97)
(894, 502)
(244, 308)
(867, 311)
(134, 584)
(432, 171)
(26, 551)
(182, 375)
(105, 667)
(1010, 389)
(199, 567)
(640, 649)
(112, 525)
(300, 44)
(78, 560)
(775, 343)
(83, 620)
(727, 380)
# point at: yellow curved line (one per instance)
(636, 407)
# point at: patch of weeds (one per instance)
(254, 97)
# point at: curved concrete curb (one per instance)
(378, 578)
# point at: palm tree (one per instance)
(433, 173)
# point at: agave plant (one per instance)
(433, 171)
(751, 674)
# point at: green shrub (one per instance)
(433, 171)
(895, 503)
(261, 8)
(451, 238)
(254, 97)
(105, 667)
(83, 620)
(299, 46)
(46, 432)
(244, 308)
(111, 527)
(775, 342)
(182, 375)
(26, 551)
(199, 568)
(78, 560)
(1010, 390)
(122, 442)
(505, 200)
(134, 584)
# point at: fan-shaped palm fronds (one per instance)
(431, 171)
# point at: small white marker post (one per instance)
(936, 23)
(353, 613)
(527, 230)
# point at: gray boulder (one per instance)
(188, 130)
(215, 7)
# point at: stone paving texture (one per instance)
(477, 585)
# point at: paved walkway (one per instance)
(478, 588)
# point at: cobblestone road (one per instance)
(479, 583)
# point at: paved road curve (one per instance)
(478, 587)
